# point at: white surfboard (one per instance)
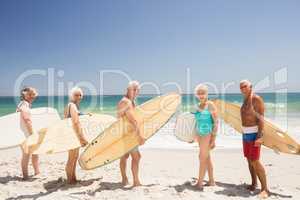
(185, 128)
(12, 133)
(61, 136)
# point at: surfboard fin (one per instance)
(276, 150)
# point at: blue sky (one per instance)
(152, 41)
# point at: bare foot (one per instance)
(72, 182)
(199, 186)
(136, 184)
(210, 184)
(264, 194)
(252, 187)
(25, 178)
(125, 181)
(37, 174)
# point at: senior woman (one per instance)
(207, 127)
(72, 111)
(28, 95)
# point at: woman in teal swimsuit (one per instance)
(207, 127)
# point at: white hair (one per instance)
(201, 87)
(133, 84)
(245, 81)
(75, 90)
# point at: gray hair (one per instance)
(245, 81)
(133, 84)
(201, 87)
(75, 90)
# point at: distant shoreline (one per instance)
(159, 94)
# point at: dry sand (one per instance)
(166, 174)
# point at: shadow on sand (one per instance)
(229, 190)
(109, 186)
(60, 184)
(53, 186)
(7, 179)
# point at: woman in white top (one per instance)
(28, 95)
(72, 111)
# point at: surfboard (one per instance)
(185, 128)
(61, 136)
(12, 133)
(274, 137)
(120, 138)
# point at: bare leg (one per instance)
(71, 166)
(35, 163)
(253, 185)
(123, 165)
(261, 173)
(74, 164)
(24, 165)
(203, 158)
(210, 169)
(136, 157)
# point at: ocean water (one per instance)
(283, 109)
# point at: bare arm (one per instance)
(28, 122)
(128, 110)
(75, 120)
(260, 112)
(214, 113)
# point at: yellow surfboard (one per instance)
(61, 137)
(273, 137)
(120, 138)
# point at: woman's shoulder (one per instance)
(211, 105)
(72, 105)
(124, 102)
(23, 105)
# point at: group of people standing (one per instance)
(206, 115)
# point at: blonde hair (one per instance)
(201, 87)
(133, 84)
(28, 90)
(75, 90)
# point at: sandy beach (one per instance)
(166, 174)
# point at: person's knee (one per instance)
(255, 164)
(68, 168)
(203, 157)
(75, 158)
(35, 157)
(25, 158)
(136, 157)
(124, 158)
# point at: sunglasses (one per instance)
(201, 93)
(243, 87)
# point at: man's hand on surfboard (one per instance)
(259, 142)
